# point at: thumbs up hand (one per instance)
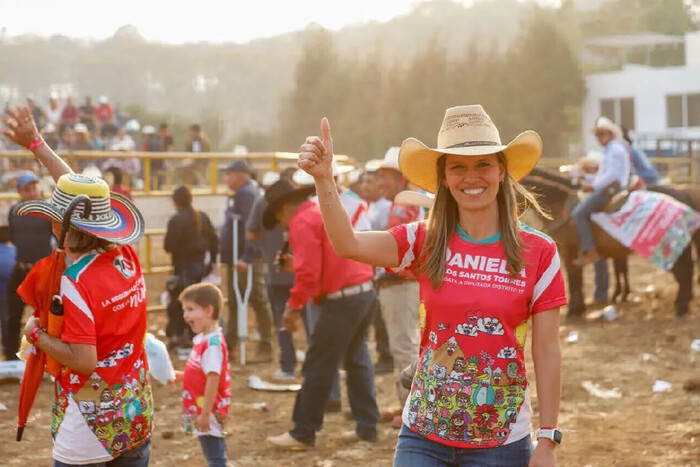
(316, 153)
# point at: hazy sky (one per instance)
(198, 20)
(194, 20)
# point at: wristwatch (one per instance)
(551, 434)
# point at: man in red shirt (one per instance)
(398, 293)
(344, 290)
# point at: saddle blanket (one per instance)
(653, 225)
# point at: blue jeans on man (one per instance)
(594, 202)
(341, 330)
(313, 313)
(278, 296)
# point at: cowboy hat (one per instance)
(605, 124)
(280, 193)
(467, 131)
(415, 198)
(113, 217)
(302, 178)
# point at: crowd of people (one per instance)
(448, 290)
(102, 127)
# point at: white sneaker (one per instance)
(280, 375)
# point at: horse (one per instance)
(558, 196)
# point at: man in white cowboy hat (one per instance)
(613, 175)
(103, 296)
(398, 293)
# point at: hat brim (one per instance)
(415, 198)
(418, 162)
(123, 226)
(269, 219)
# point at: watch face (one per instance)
(557, 436)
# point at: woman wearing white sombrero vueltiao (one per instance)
(483, 275)
(103, 404)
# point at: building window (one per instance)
(683, 110)
(620, 111)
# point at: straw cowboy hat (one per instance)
(467, 131)
(113, 217)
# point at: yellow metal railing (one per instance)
(262, 161)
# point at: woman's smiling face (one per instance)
(473, 181)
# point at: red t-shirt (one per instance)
(470, 389)
(104, 303)
(209, 355)
(104, 112)
(318, 270)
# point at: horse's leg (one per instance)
(683, 272)
(574, 275)
(696, 244)
(617, 267)
(624, 272)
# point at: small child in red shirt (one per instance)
(206, 387)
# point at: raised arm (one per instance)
(21, 129)
(373, 247)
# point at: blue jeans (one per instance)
(278, 296)
(138, 457)
(595, 202)
(313, 313)
(413, 450)
(341, 330)
(601, 280)
(214, 450)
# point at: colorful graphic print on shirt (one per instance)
(470, 389)
(120, 416)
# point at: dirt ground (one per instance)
(641, 428)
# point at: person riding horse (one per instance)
(612, 176)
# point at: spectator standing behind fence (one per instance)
(197, 142)
(51, 136)
(246, 191)
(166, 139)
(32, 238)
(8, 256)
(104, 114)
(87, 115)
(38, 113)
(188, 238)
(151, 143)
(70, 113)
(53, 114)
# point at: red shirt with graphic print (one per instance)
(470, 389)
(100, 416)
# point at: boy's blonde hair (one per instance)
(204, 294)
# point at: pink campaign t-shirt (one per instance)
(470, 389)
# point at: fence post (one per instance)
(147, 175)
(214, 174)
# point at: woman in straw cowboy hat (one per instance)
(482, 276)
(103, 403)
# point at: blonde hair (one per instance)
(512, 198)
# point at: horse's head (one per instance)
(556, 198)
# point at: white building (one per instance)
(655, 103)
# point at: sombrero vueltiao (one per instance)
(467, 131)
(113, 217)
